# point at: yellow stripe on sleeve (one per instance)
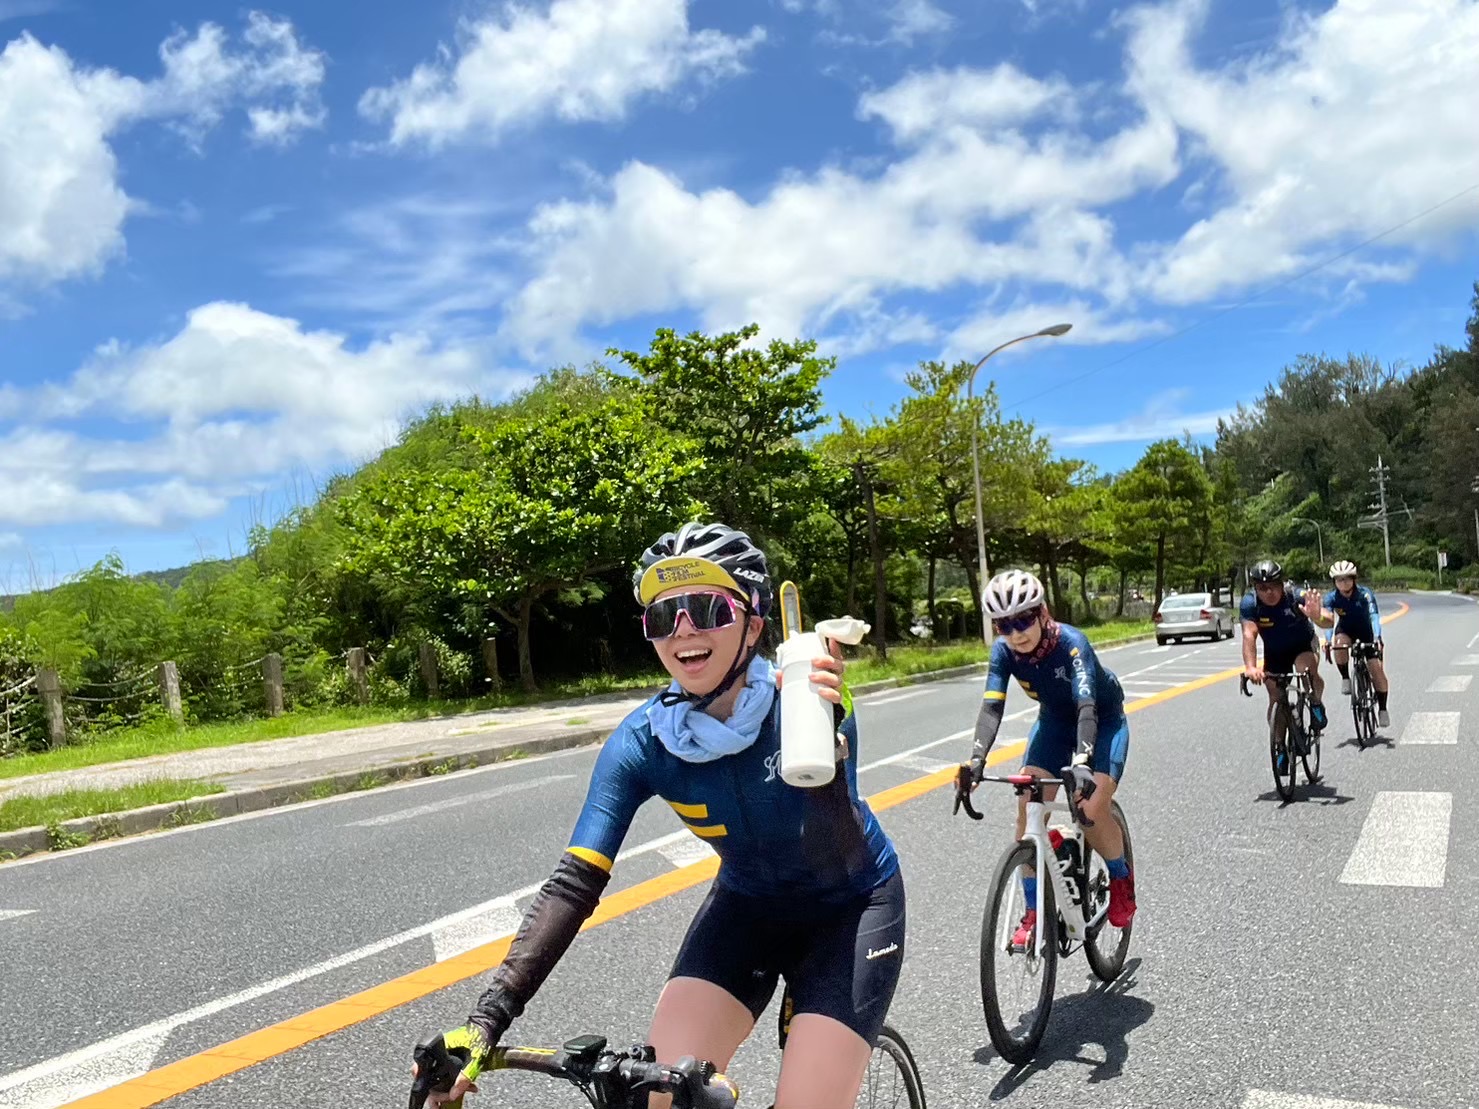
(712, 831)
(996, 695)
(595, 858)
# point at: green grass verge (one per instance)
(904, 661)
(163, 738)
(29, 812)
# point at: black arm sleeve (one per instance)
(988, 723)
(558, 911)
(1088, 727)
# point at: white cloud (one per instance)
(1357, 120)
(927, 104)
(911, 19)
(61, 206)
(1161, 418)
(582, 60)
(995, 325)
(236, 398)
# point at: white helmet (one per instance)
(1343, 569)
(1011, 593)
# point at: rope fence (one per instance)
(42, 711)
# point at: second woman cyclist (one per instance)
(1081, 726)
(808, 887)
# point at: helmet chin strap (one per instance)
(741, 663)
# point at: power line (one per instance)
(1248, 300)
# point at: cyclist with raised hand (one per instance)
(1356, 620)
(1081, 733)
(809, 886)
(1282, 615)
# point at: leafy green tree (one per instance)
(742, 409)
(1162, 504)
(552, 501)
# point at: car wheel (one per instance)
(1159, 641)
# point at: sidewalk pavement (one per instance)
(274, 772)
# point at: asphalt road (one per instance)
(1312, 955)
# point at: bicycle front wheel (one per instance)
(1017, 985)
(1106, 946)
(892, 1080)
(1359, 705)
(1309, 750)
(1281, 751)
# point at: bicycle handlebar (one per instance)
(585, 1062)
(963, 793)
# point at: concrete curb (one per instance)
(213, 806)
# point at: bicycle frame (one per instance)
(1069, 894)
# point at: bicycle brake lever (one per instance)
(963, 794)
(436, 1070)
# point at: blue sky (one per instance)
(238, 247)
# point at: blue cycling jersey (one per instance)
(1357, 614)
(1059, 676)
(772, 839)
(1283, 625)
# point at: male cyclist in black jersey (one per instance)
(1283, 617)
(809, 886)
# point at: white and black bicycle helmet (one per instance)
(1011, 593)
(1343, 569)
(1266, 571)
(707, 554)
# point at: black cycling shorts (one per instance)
(1281, 660)
(839, 960)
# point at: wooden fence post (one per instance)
(490, 664)
(429, 669)
(49, 686)
(272, 683)
(169, 691)
(357, 678)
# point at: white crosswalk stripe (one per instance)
(1404, 841)
(1263, 1099)
(1450, 683)
(1467, 660)
(1431, 728)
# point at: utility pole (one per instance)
(1381, 489)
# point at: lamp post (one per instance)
(1047, 332)
(1319, 537)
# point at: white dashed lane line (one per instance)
(1404, 842)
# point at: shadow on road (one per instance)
(1383, 741)
(1104, 1015)
(1318, 793)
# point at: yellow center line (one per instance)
(256, 1047)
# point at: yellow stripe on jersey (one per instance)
(696, 812)
(711, 831)
(995, 695)
(595, 858)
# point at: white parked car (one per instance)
(1184, 614)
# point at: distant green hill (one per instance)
(170, 578)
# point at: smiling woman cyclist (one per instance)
(808, 885)
(1081, 726)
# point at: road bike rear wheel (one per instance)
(1017, 986)
(892, 1080)
(1106, 946)
(1281, 720)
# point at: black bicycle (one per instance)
(1363, 692)
(1291, 734)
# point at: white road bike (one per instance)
(1017, 981)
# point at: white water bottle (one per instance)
(808, 729)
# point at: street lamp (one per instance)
(1319, 538)
(1047, 332)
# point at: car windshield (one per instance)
(1188, 600)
